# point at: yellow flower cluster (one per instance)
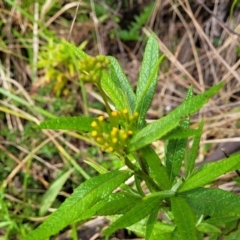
(115, 138)
(92, 67)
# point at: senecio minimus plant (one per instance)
(192, 208)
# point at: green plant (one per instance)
(192, 209)
(58, 65)
(132, 33)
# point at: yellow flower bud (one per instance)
(136, 114)
(94, 133)
(114, 131)
(100, 118)
(110, 149)
(130, 132)
(125, 111)
(114, 113)
(94, 124)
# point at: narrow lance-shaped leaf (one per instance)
(119, 78)
(210, 171)
(213, 202)
(220, 219)
(159, 128)
(139, 211)
(180, 133)
(80, 123)
(155, 168)
(99, 168)
(150, 223)
(184, 219)
(176, 148)
(193, 152)
(147, 81)
(207, 228)
(116, 203)
(83, 198)
(113, 91)
(113, 204)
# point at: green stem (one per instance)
(150, 183)
(104, 96)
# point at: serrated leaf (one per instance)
(159, 128)
(180, 133)
(82, 199)
(213, 201)
(210, 171)
(184, 218)
(193, 152)
(174, 156)
(68, 123)
(118, 76)
(139, 211)
(155, 168)
(52, 192)
(117, 203)
(147, 81)
(113, 91)
(176, 148)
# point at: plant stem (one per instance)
(150, 183)
(102, 93)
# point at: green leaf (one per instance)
(139, 211)
(155, 168)
(118, 76)
(213, 201)
(176, 148)
(80, 53)
(220, 220)
(181, 133)
(52, 192)
(159, 128)
(162, 231)
(147, 81)
(150, 223)
(233, 235)
(210, 171)
(116, 203)
(99, 168)
(207, 228)
(184, 219)
(113, 91)
(175, 152)
(68, 123)
(83, 198)
(193, 152)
